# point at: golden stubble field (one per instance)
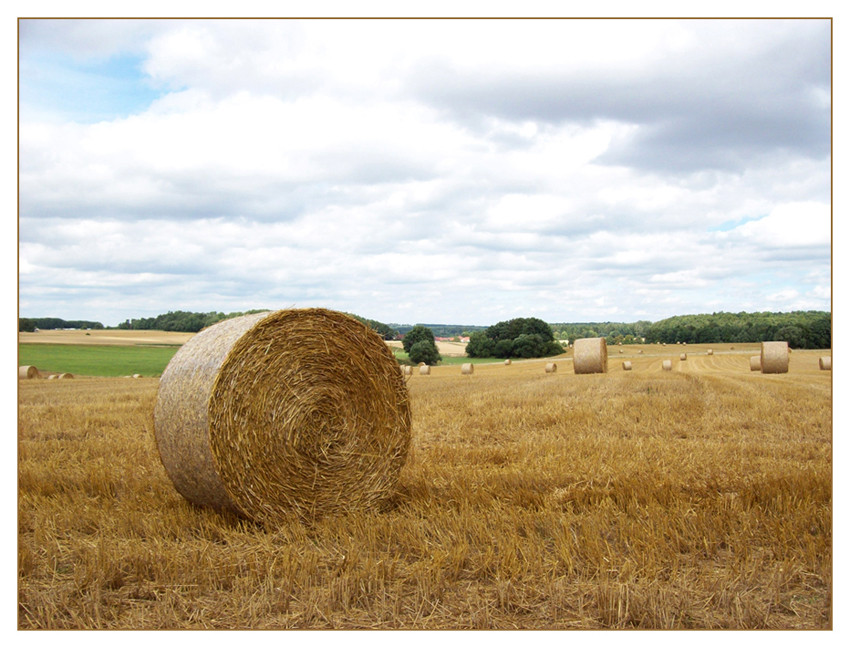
(696, 498)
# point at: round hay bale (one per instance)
(137, 375)
(424, 370)
(825, 363)
(590, 356)
(640, 351)
(507, 362)
(667, 365)
(755, 363)
(709, 352)
(27, 372)
(407, 370)
(52, 376)
(65, 375)
(551, 367)
(774, 357)
(621, 350)
(467, 368)
(301, 411)
(683, 356)
(627, 365)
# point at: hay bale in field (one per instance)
(590, 356)
(683, 356)
(66, 375)
(825, 363)
(709, 352)
(507, 362)
(627, 366)
(52, 376)
(27, 372)
(467, 368)
(301, 411)
(621, 350)
(774, 357)
(755, 363)
(667, 365)
(137, 375)
(407, 370)
(424, 370)
(640, 351)
(550, 367)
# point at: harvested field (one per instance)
(696, 498)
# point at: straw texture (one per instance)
(755, 363)
(27, 371)
(467, 368)
(270, 414)
(825, 363)
(774, 357)
(590, 356)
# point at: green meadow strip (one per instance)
(85, 360)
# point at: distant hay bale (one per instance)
(683, 356)
(825, 363)
(640, 351)
(590, 356)
(137, 375)
(27, 372)
(709, 352)
(407, 370)
(66, 375)
(755, 363)
(424, 370)
(551, 367)
(621, 350)
(774, 357)
(627, 366)
(467, 368)
(52, 376)
(667, 365)
(301, 411)
(507, 362)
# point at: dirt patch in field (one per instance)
(106, 337)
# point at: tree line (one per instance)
(30, 324)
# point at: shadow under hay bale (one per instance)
(270, 414)
(774, 357)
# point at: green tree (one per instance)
(480, 346)
(25, 324)
(424, 351)
(417, 334)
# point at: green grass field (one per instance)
(94, 360)
(447, 360)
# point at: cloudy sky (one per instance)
(440, 171)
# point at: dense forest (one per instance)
(522, 337)
(30, 324)
(801, 329)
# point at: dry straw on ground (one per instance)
(667, 365)
(27, 371)
(825, 363)
(627, 365)
(467, 368)
(590, 356)
(774, 357)
(755, 363)
(270, 414)
(424, 370)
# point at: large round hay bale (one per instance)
(424, 370)
(590, 356)
(667, 365)
(467, 368)
(825, 363)
(551, 367)
(755, 363)
(27, 371)
(683, 356)
(301, 411)
(627, 365)
(774, 357)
